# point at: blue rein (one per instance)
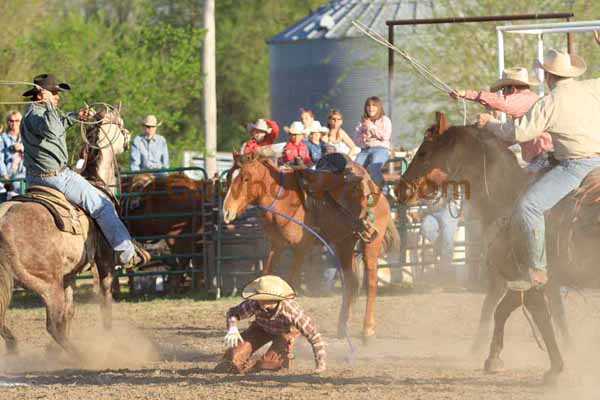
(329, 249)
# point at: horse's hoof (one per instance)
(493, 365)
(368, 339)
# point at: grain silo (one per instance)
(323, 61)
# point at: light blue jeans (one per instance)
(440, 227)
(80, 192)
(528, 224)
(373, 159)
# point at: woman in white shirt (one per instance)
(338, 137)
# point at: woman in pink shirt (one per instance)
(373, 136)
(516, 99)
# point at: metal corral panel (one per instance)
(325, 74)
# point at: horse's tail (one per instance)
(391, 238)
(6, 289)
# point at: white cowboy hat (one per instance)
(268, 287)
(317, 127)
(514, 77)
(562, 64)
(150, 120)
(260, 125)
(296, 128)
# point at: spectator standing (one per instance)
(149, 150)
(11, 153)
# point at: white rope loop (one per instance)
(425, 72)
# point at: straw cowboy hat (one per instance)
(260, 125)
(296, 128)
(151, 121)
(317, 127)
(268, 287)
(562, 64)
(514, 77)
(48, 82)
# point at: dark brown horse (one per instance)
(46, 260)
(177, 195)
(259, 181)
(473, 157)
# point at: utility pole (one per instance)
(210, 89)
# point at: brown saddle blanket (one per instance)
(66, 215)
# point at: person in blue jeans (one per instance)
(43, 131)
(373, 136)
(439, 227)
(570, 113)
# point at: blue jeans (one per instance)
(80, 192)
(440, 227)
(538, 163)
(528, 224)
(373, 158)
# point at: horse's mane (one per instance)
(494, 148)
(92, 155)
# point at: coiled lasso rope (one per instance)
(425, 72)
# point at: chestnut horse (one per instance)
(258, 180)
(46, 260)
(476, 158)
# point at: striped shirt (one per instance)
(515, 105)
(286, 316)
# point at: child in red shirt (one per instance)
(264, 132)
(295, 148)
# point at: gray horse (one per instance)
(45, 259)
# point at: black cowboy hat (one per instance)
(48, 82)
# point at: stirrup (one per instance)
(367, 231)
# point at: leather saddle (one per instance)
(67, 216)
(338, 181)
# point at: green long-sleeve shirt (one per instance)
(44, 138)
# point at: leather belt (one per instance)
(48, 174)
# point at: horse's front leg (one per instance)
(370, 255)
(557, 310)
(535, 301)
(345, 255)
(495, 289)
(272, 258)
(105, 280)
(69, 283)
(507, 305)
(298, 252)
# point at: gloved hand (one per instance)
(233, 337)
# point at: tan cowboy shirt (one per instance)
(570, 113)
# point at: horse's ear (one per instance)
(597, 37)
(441, 123)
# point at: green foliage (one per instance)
(243, 29)
(465, 56)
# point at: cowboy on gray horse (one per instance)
(45, 150)
(570, 113)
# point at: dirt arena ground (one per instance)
(166, 349)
